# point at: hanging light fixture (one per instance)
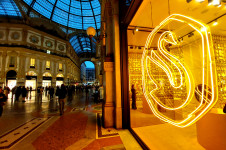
(200, 1)
(215, 23)
(91, 32)
(214, 2)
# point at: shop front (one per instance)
(11, 79)
(47, 79)
(31, 80)
(59, 79)
(176, 75)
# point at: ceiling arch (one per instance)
(81, 44)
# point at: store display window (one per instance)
(176, 79)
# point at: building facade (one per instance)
(31, 57)
(90, 74)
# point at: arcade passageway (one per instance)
(36, 124)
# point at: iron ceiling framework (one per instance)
(72, 16)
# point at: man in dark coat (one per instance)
(3, 99)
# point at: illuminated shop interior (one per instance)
(176, 60)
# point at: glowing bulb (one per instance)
(200, 1)
(137, 29)
(216, 2)
(203, 29)
(215, 23)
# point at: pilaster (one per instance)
(108, 106)
(3, 73)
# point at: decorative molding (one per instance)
(15, 35)
(61, 47)
(2, 34)
(34, 39)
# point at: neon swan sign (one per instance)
(178, 74)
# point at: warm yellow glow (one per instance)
(200, 1)
(91, 31)
(215, 23)
(174, 66)
(47, 74)
(32, 62)
(47, 64)
(60, 66)
(216, 2)
(60, 75)
(31, 73)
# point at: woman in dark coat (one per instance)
(133, 97)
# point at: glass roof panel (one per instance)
(9, 8)
(81, 13)
(43, 10)
(86, 5)
(95, 4)
(75, 11)
(87, 12)
(81, 44)
(28, 1)
(96, 11)
(62, 6)
(60, 20)
(76, 4)
(52, 1)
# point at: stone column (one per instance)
(54, 74)
(116, 49)
(21, 71)
(108, 106)
(3, 73)
(39, 77)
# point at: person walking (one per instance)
(18, 92)
(3, 99)
(6, 91)
(134, 106)
(51, 92)
(57, 92)
(62, 96)
(24, 93)
(13, 91)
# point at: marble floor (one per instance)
(158, 135)
(37, 125)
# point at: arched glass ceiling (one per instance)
(9, 8)
(81, 44)
(77, 14)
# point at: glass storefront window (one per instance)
(47, 64)
(60, 66)
(176, 80)
(12, 61)
(32, 62)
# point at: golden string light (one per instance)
(172, 65)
